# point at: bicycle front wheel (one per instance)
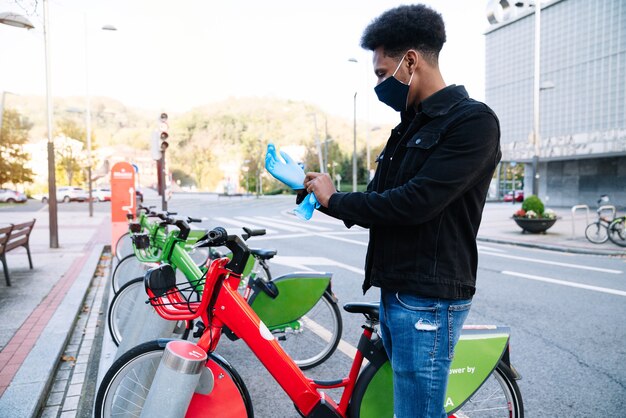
(124, 246)
(597, 233)
(126, 384)
(318, 334)
(617, 231)
(129, 268)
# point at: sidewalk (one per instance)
(53, 315)
(40, 309)
(497, 226)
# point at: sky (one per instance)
(175, 55)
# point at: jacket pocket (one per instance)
(418, 149)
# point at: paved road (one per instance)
(566, 311)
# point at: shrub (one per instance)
(533, 203)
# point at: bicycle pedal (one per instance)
(200, 331)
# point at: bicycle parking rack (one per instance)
(574, 209)
(611, 208)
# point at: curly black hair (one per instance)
(407, 27)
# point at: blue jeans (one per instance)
(419, 335)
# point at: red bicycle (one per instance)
(489, 390)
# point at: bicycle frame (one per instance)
(230, 309)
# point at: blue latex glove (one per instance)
(307, 207)
(287, 171)
(290, 173)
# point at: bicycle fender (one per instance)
(297, 294)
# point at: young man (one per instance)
(423, 206)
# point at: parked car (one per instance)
(11, 196)
(519, 196)
(101, 194)
(69, 194)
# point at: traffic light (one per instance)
(159, 141)
(163, 135)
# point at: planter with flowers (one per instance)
(533, 218)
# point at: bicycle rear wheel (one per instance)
(617, 231)
(126, 384)
(124, 246)
(127, 269)
(597, 232)
(317, 337)
(498, 397)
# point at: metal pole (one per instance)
(536, 88)
(354, 149)
(162, 174)
(52, 191)
(88, 119)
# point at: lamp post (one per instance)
(88, 110)
(354, 161)
(19, 21)
(318, 145)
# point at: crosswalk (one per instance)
(286, 226)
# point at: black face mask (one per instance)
(393, 92)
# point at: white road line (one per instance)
(240, 224)
(272, 224)
(566, 283)
(325, 335)
(296, 224)
(351, 241)
(299, 262)
(483, 248)
(555, 263)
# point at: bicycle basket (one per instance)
(135, 227)
(181, 301)
(160, 279)
(141, 241)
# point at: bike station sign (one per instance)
(123, 198)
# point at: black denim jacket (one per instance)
(423, 206)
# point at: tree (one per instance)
(70, 160)
(13, 158)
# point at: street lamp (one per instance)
(88, 110)
(13, 19)
(354, 162)
(536, 88)
(317, 142)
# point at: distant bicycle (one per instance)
(617, 231)
(597, 232)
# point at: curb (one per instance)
(29, 387)
(554, 247)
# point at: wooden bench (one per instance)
(14, 236)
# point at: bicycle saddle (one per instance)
(262, 253)
(369, 309)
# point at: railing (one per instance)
(574, 209)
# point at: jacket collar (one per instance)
(441, 102)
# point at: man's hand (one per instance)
(321, 185)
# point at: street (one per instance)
(565, 310)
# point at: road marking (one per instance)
(272, 224)
(296, 224)
(566, 283)
(346, 348)
(555, 263)
(482, 248)
(239, 224)
(351, 241)
(303, 262)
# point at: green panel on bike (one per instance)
(297, 294)
(467, 372)
(378, 399)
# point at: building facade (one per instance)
(582, 96)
